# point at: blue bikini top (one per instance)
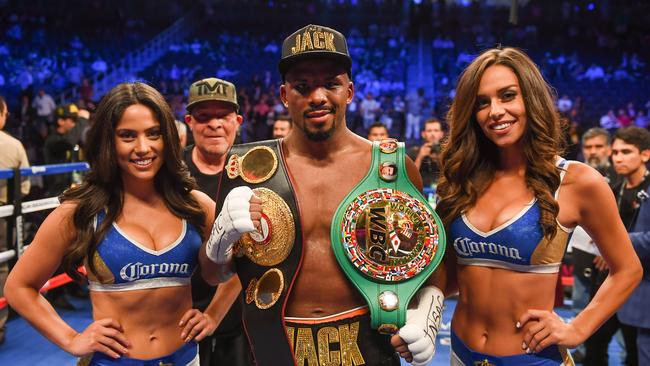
(518, 244)
(123, 264)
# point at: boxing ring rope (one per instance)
(15, 221)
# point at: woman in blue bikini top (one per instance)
(509, 203)
(137, 224)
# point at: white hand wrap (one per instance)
(233, 220)
(422, 325)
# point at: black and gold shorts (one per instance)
(342, 339)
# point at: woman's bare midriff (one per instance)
(490, 303)
(149, 318)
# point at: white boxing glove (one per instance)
(233, 220)
(422, 325)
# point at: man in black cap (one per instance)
(212, 115)
(58, 149)
(299, 283)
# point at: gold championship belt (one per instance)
(266, 260)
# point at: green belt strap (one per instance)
(388, 275)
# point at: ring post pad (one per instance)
(386, 237)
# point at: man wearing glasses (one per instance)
(212, 115)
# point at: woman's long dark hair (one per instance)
(102, 188)
(469, 159)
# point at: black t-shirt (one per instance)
(208, 183)
(429, 169)
(628, 201)
(57, 149)
(612, 178)
(202, 292)
(627, 206)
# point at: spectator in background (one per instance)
(399, 107)
(630, 110)
(86, 91)
(630, 154)
(594, 72)
(58, 148)
(641, 120)
(182, 132)
(25, 81)
(415, 105)
(369, 108)
(282, 126)
(596, 152)
(634, 312)
(74, 73)
(577, 111)
(624, 120)
(13, 156)
(386, 112)
(26, 111)
(214, 120)
(426, 156)
(564, 104)
(609, 121)
(44, 105)
(377, 132)
(75, 135)
(99, 65)
(174, 73)
(261, 112)
(354, 114)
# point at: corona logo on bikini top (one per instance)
(389, 235)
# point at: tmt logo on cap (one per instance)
(314, 41)
(212, 89)
(204, 88)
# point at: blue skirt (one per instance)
(550, 356)
(188, 355)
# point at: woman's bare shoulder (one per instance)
(583, 178)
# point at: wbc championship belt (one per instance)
(386, 237)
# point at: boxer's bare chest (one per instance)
(321, 287)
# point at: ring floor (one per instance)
(26, 347)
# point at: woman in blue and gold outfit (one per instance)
(137, 224)
(509, 203)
